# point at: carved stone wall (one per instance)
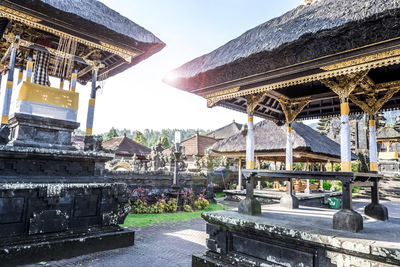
(157, 182)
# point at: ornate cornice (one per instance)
(383, 59)
(33, 22)
(361, 60)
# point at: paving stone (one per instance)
(158, 245)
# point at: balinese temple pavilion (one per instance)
(323, 58)
(327, 58)
(75, 41)
(55, 201)
(309, 146)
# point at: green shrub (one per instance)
(140, 207)
(158, 207)
(187, 208)
(201, 204)
(327, 185)
(355, 190)
(171, 205)
(233, 186)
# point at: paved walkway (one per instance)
(159, 245)
(169, 244)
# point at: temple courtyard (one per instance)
(174, 243)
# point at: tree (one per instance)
(111, 133)
(140, 138)
(164, 141)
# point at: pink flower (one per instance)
(201, 196)
(190, 191)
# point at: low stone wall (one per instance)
(157, 182)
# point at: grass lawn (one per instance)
(220, 194)
(148, 219)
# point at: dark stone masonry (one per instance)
(54, 201)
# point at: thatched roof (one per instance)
(307, 32)
(97, 12)
(195, 145)
(270, 138)
(226, 131)
(125, 147)
(387, 133)
(93, 21)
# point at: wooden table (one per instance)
(345, 219)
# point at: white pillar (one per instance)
(250, 143)
(289, 148)
(345, 142)
(321, 182)
(259, 167)
(239, 186)
(373, 148)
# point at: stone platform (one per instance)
(301, 237)
(267, 196)
(57, 204)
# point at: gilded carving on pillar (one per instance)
(372, 104)
(344, 85)
(293, 106)
(252, 102)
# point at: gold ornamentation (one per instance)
(215, 97)
(252, 102)
(18, 14)
(360, 60)
(128, 54)
(345, 84)
(223, 92)
(372, 104)
(315, 77)
(33, 22)
(293, 106)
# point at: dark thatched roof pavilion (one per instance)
(123, 146)
(226, 131)
(270, 144)
(387, 133)
(288, 56)
(122, 42)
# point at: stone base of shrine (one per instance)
(60, 246)
(268, 196)
(301, 237)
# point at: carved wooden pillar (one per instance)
(321, 182)
(343, 86)
(20, 75)
(239, 186)
(92, 101)
(74, 78)
(10, 82)
(291, 108)
(250, 205)
(29, 68)
(259, 187)
(61, 83)
(371, 105)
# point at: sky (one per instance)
(137, 99)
